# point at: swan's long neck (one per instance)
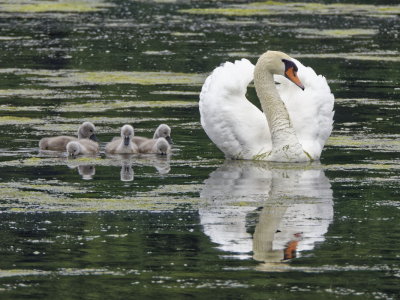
(282, 132)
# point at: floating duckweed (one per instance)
(339, 33)
(143, 78)
(45, 93)
(275, 7)
(352, 56)
(186, 93)
(55, 188)
(103, 106)
(12, 38)
(186, 34)
(21, 108)
(227, 11)
(369, 143)
(54, 6)
(8, 120)
(162, 52)
(75, 77)
(43, 201)
(106, 78)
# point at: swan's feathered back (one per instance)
(311, 110)
(236, 126)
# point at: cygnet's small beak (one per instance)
(169, 140)
(93, 137)
(126, 140)
(291, 74)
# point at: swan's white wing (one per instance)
(311, 110)
(236, 126)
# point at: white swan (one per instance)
(297, 119)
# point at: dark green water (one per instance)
(193, 225)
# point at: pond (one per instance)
(192, 224)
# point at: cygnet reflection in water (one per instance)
(87, 171)
(127, 162)
(296, 209)
(126, 173)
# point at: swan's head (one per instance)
(163, 131)
(162, 146)
(279, 63)
(73, 148)
(87, 131)
(127, 133)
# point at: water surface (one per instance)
(192, 224)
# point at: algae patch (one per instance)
(54, 6)
(354, 56)
(107, 78)
(104, 106)
(338, 33)
(27, 200)
(45, 93)
(276, 7)
(77, 78)
(365, 143)
(8, 120)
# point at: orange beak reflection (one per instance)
(291, 74)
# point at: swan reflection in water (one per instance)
(294, 205)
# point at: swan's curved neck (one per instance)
(273, 107)
(282, 132)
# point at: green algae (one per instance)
(55, 187)
(228, 11)
(142, 78)
(104, 106)
(353, 56)
(45, 93)
(9, 120)
(106, 78)
(77, 78)
(54, 6)
(10, 108)
(276, 7)
(187, 34)
(25, 200)
(185, 93)
(365, 143)
(339, 33)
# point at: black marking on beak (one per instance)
(126, 140)
(169, 140)
(93, 137)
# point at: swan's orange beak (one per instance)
(291, 74)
